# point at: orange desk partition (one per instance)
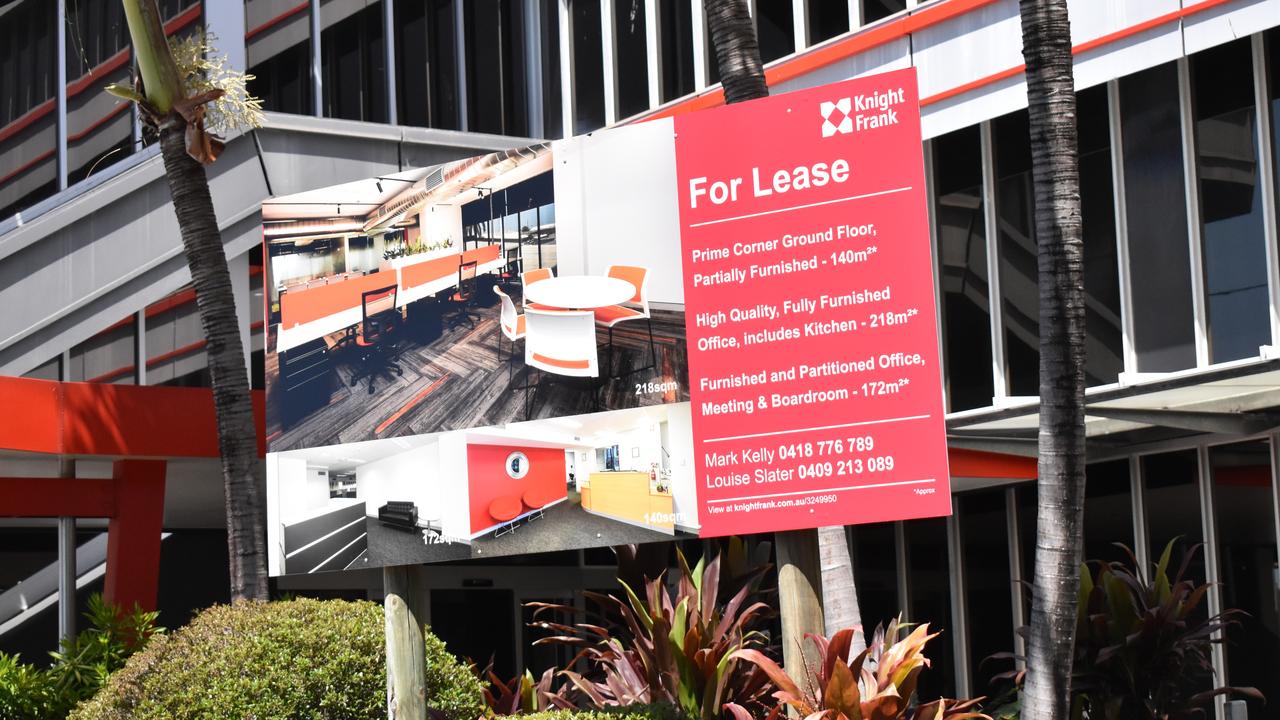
(298, 307)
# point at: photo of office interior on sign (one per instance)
(478, 292)
(625, 476)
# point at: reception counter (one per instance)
(628, 497)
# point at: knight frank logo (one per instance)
(835, 117)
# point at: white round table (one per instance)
(580, 292)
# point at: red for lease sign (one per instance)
(814, 368)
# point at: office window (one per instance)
(827, 19)
(1234, 243)
(1172, 499)
(631, 56)
(278, 52)
(676, 41)
(353, 63)
(552, 112)
(28, 118)
(48, 370)
(1155, 206)
(1272, 42)
(1104, 333)
(451, 611)
(775, 27)
(1016, 233)
(588, 70)
(108, 357)
(988, 583)
(1243, 497)
(522, 216)
(962, 266)
(426, 66)
(1108, 511)
(175, 343)
(873, 10)
(875, 570)
(496, 80)
(930, 578)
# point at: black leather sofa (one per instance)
(398, 514)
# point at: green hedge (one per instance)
(289, 659)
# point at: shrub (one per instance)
(80, 667)
(877, 683)
(297, 658)
(635, 712)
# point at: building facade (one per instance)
(1179, 164)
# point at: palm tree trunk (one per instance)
(1046, 46)
(839, 592)
(737, 50)
(237, 436)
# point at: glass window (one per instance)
(1172, 507)
(930, 577)
(552, 113)
(1233, 236)
(1272, 42)
(588, 70)
(631, 55)
(775, 28)
(1243, 496)
(1015, 230)
(1108, 511)
(1155, 206)
(278, 51)
(49, 370)
(962, 265)
(873, 10)
(426, 66)
(677, 49)
(451, 615)
(988, 583)
(354, 66)
(108, 357)
(1104, 334)
(496, 80)
(28, 116)
(827, 19)
(875, 568)
(175, 342)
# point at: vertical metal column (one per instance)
(1193, 211)
(653, 50)
(1122, 227)
(533, 68)
(701, 56)
(902, 556)
(1013, 537)
(994, 305)
(140, 347)
(389, 43)
(60, 92)
(855, 14)
(67, 563)
(1212, 569)
(800, 24)
(317, 82)
(460, 56)
(959, 607)
(568, 104)
(609, 60)
(1138, 489)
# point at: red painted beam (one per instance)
(56, 496)
(979, 464)
(133, 535)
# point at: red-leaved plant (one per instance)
(876, 684)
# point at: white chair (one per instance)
(511, 322)
(561, 343)
(530, 277)
(636, 308)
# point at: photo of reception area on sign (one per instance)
(383, 502)
(479, 292)
(612, 478)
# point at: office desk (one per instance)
(312, 313)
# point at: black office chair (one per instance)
(464, 295)
(510, 274)
(375, 338)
